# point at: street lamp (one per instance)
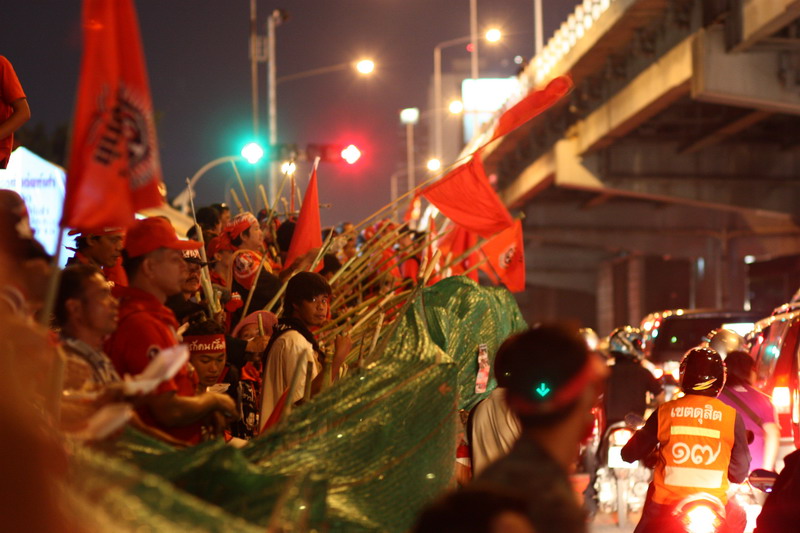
(434, 164)
(456, 107)
(410, 116)
(364, 67)
(492, 35)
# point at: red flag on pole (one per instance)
(536, 101)
(454, 246)
(114, 169)
(505, 256)
(465, 197)
(308, 231)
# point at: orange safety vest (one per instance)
(696, 434)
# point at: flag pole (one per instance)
(56, 381)
(205, 276)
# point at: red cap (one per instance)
(153, 233)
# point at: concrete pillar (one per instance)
(605, 298)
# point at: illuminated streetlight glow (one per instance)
(365, 66)
(351, 154)
(494, 35)
(434, 164)
(409, 115)
(252, 152)
(288, 168)
(456, 107)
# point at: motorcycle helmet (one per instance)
(702, 372)
(724, 341)
(627, 342)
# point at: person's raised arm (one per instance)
(172, 410)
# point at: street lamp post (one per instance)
(437, 83)
(410, 117)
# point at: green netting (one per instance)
(364, 455)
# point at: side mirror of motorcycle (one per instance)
(633, 420)
(762, 480)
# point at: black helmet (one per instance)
(702, 372)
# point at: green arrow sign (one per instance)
(543, 390)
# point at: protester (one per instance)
(224, 213)
(186, 303)
(248, 267)
(306, 305)
(87, 314)
(552, 381)
(103, 249)
(14, 110)
(156, 269)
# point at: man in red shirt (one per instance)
(154, 263)
(102, 249)
(14, 110)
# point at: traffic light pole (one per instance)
(272, 108)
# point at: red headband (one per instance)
(205, 344)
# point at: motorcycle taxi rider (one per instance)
(702, 444)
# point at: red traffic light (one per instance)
(351, 154)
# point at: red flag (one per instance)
(465, 197)
(454, 246)
(536, 101)
(308, 231)
(114, 169)
(413, 210)
(430, 250)
(506, 256)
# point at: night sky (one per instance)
(197, 59)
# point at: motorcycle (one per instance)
(699, 513)
(620, 486)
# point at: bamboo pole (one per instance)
(236, 200)
(309, 378)
(264, 198)
(253, 287)
(241, 184)
(214, 306)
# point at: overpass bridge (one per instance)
(673, 164)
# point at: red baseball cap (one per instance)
(152, 233)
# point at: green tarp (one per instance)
(364, 455)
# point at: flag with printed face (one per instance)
(505, 257)
(114, 168)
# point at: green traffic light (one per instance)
(252, 152)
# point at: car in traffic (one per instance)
(667, 335)
(774, 347)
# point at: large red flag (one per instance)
(465, 197)
(308, 231)
(114, 169)
(534, 103)
(505, 256)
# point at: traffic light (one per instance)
(333, 153)
(252, 152)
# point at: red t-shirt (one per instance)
(145, 327)
(10, 91)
